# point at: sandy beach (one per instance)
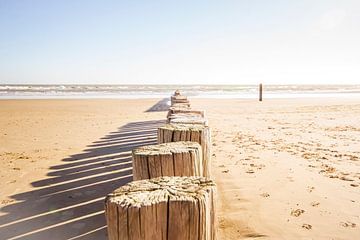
(285, 169)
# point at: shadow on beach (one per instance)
(161, 106)
(70, 204)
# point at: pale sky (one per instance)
(180, 42)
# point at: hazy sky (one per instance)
(125, 42)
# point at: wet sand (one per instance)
(285, 169)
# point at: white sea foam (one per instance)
(161, 91)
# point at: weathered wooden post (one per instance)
(187, 120)
(179, 99)
(199, 133)
(185, 105)
(191, 118)
(175, 110)
(167, 159)
(168, 208)
(260, 92)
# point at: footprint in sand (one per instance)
(315, 204)
(265, 195)
(353, 158)
(7, 201)
(344, 178)
(306, 226)
(291, 179)
(225, 171)
(310, 189)
(348, 224)
(297, 212)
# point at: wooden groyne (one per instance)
(172, 195)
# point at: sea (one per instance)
(163, 91)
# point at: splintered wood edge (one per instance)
(167, 148)
(163, 189)
(184, 127)
(191, 116)
(179, 108)
(188, 121)
(179, 97)
(182, 105)
(185, 114)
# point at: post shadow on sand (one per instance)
(161, 106)
(70, 204)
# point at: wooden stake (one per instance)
(179, 99)
(181, 105)
(188, 118)
(260, 92)
(174, 110)
(168, 208)
(167, 159)
(189, 132)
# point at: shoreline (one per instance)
(266, 97)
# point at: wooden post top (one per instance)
(167, 148)
(186, 110)
(185, 115)
(179, 107)
(179, 97)
(184, 127)
(188, 120)
(163, 189)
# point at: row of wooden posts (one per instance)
(172, 196)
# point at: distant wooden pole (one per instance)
(260, 92)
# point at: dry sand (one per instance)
(285, 169)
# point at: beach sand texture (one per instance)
(285, 169)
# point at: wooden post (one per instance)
(181, 105)
(174, 110)
(183, 115)
(189, 132)
(179, 99)
(260, 92)
(167, 159)
(168, 208)
(186, 118)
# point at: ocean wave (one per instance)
(156, 91)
